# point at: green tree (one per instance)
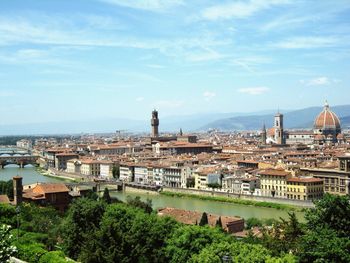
(333, 212)
(190, 182)
(238, 252)
(8, 215)
(253, 222)
(116, 171)
(106, 197)
(219, 223)
(6, 248)
(324, 245)
(136, 202)
(204, 219)
(189, 240)
(6, 188)
(128, 234)
(82, 220)
(284, 236)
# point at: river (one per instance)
(30, 176)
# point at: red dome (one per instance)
(327, 120)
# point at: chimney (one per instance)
(17, 190)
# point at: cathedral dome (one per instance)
(327, 120)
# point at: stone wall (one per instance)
(244, 197)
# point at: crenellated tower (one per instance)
(155, 123)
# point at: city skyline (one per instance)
(106, 58)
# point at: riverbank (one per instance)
(129, 189)
(49, 173)
(234, 201)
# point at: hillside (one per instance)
(303, 118)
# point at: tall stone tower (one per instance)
(279, 133)
(17, 190)
(155, 123)
(263, 135)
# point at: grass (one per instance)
(234, 201)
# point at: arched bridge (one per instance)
(20, 160)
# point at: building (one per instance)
(155, 124)
(326, 130)
(230, 224)
(49, 194)
(24, 144)
(304, 188)
(274, 182)
(334, 181)
(73, 166)
(176, 148)
(127, 172)
(90, 167)
(263, 135)
(279, 132)
(61, 160)
(106, 168)
(326, 126)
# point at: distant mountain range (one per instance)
(108, 125)
(303, 118)
(297, 119)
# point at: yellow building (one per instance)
(274, 182)
(304, 188)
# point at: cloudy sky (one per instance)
(85, 59)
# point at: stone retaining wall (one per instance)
(244, 197)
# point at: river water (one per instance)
(213, 207)
(30, 176)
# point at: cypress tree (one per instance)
(106, 197)
(204, 219)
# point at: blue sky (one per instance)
(87, 59)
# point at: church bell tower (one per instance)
(279, 133)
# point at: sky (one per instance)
(89, 59)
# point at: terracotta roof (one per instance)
(4, 199)
(274, 172)
(193, 217)
(304, 180)
(50, 188)
(327, 119)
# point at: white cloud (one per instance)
(139, 99)
(254, 90)
(307, 42)
(240, 9)
(149, 5)
(205, 55)
(208, 95)
(319, 81)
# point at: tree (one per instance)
(238, 251)
(82, 220)
(253, 222)
(190, 182)
(116, 171)
(106, 197)
(136, 202)
(189, 240)
(219, 223)
(6, 188)
(324, 245)
(333, 212)
(128, 234)
(204, 219)
(6, 248)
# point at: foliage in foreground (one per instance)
(95, 231)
